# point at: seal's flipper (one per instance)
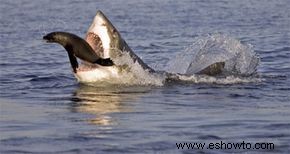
(105, 62)
(73, 62)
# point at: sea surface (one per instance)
(44, 110)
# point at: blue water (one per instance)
(44, 109)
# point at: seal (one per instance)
(101, 50)
(76, 47)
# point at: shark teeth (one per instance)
(95, 42)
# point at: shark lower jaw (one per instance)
(96, 73)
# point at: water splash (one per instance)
(133, 73)
(240, 59)
(240, 64)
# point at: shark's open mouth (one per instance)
(95, 42)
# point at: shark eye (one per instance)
(114, 33)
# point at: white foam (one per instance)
(137, 74)
(218, 80)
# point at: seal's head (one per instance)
(50, 37)
(60, 37)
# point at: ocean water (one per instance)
(44, 110)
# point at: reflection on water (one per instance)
(101, 101)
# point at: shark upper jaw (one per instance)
(107, 42)
(102, 36)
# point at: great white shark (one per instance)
(101, 51)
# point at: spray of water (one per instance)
(240, 63)
(240, 59)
